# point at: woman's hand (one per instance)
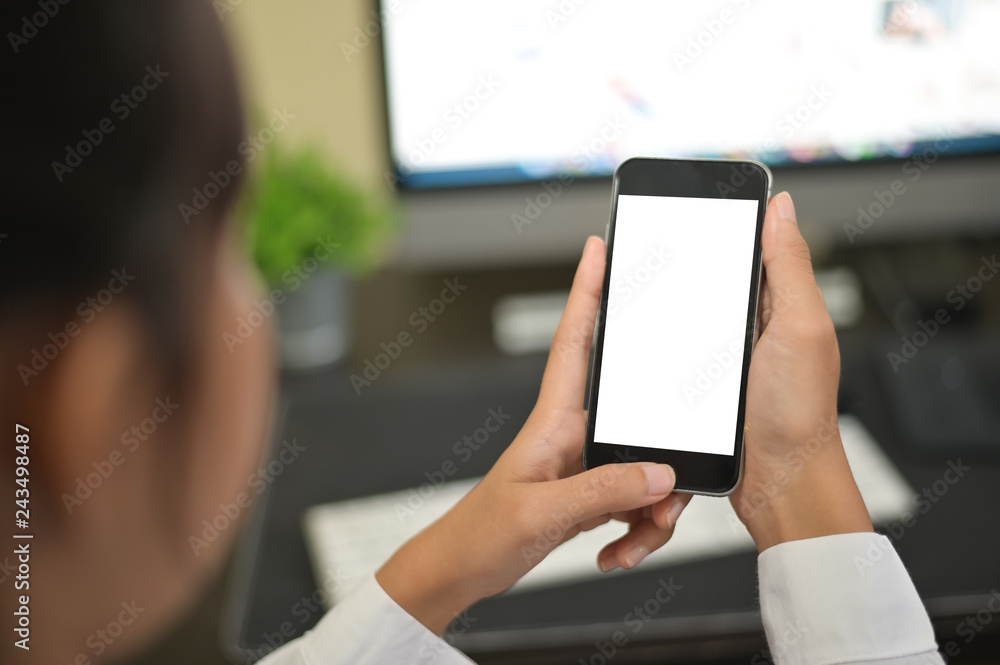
(537, 496)
(796, 481)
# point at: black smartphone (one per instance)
(678, 319)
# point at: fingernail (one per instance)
(675, 510)
(660, 478)
(786, 209)
(607, 561)
(635, 555)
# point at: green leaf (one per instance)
(297, 200)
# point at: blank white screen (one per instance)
(677, 309)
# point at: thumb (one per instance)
(610, 488)
(787, 261)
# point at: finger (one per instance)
(791, 284)
(594, 522)
(764, 311)
(666, 512)
(572, 447)
(632, 516)
(608, 489)
(634, 546)
(628, 516)
(566, 371)
(645, 536)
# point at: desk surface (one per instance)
(405, 424)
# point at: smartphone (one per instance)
(678, 319)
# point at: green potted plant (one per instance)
(310, 231)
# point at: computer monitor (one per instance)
(510, 116)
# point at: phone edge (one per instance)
(768, 180)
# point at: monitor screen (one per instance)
(533, 89)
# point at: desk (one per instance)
(405, 424)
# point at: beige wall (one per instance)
(290, 56)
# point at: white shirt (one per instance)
(835, 599)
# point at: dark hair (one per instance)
(113, 113)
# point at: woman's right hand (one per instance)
(796, 480)
(538, 494)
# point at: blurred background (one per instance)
(426, 174)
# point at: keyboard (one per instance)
(348, 540)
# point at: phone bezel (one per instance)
(697, 473)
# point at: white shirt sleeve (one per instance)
(824, 601)
(368, 628)
(842, 599)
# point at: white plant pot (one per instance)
(314, 321)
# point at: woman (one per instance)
(114, 309)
